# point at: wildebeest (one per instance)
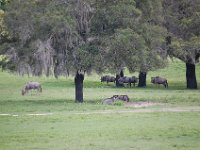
(108, 79)
(111, 100)
(121, 97)
(108, 101)
(31, 86)
(128, 80)
(159, 80)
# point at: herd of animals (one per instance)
(133, 80)
(121, 80)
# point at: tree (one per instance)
(153, 55)
(109, 18)
(135, 38)
(3, 31)
(182, 23)
(52, 38)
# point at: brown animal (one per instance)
(159, 80)
(128, 80)
(108, 79)
(31, 86)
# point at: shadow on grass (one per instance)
(65, 83)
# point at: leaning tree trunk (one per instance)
(79, 87)
(191, 76)
(142, 79)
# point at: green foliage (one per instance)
(48, 34)
(86, 57)
(3, 4)
(3, 30)
(3, 61)
(133, 35)
(63, 36)
(182, 23)
(125, 48)
(111, 15)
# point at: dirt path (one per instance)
(146, 110)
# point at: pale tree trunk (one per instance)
(79, 87)
(191, 76)
(142, 79)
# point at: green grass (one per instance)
(163, 131)
(67, 130)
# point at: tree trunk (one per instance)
(142, 79)
(117, 77)
(191, 76)
(79, 87)
(121, 73)
(117, 82)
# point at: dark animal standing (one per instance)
(31, 86)
(159, 80)
(108, 79)
(128, 80)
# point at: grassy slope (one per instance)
(62, 130)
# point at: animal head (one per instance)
(102, 78)
(115, 97)
(153, 79)
(135, 78)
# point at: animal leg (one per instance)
(41, 89)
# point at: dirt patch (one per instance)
(141, 104)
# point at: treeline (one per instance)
(62, 37)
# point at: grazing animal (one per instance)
(108, 79)
(121, 97)
(159, 80)
(31, 86)
(128, 80)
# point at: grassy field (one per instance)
(73, 126)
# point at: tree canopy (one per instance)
(62, 37)
(50, 36)
(182, 22)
